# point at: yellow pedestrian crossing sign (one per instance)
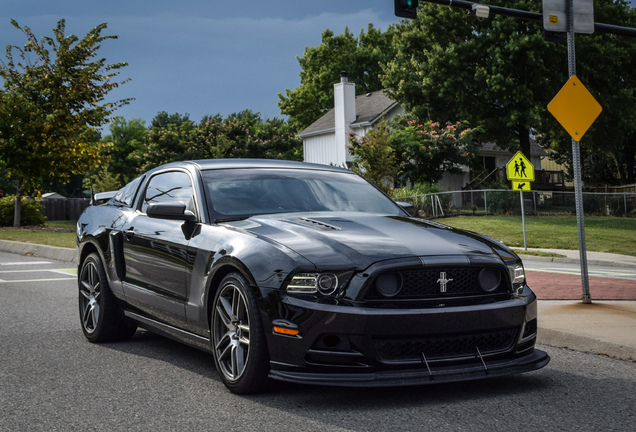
(520, 169)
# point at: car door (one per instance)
(156, 250)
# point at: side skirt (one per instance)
(171, 332)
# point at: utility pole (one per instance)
(576, 163)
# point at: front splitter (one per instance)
(420, 376)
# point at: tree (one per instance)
(249, 137)
(124, 139)
(51, 103)
(499, 73)
(103, 181)
(239, 135)
(606, 64)
(426, 150)
(374, 157)
(320, 67)
(170, 139)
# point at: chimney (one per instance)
(344, 94)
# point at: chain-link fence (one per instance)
(502, 201)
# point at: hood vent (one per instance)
(314, 224)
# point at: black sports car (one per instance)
(303, 273)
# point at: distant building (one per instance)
(53, 195)
(326, 140)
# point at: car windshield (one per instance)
(241, 193)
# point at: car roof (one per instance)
(214, 164)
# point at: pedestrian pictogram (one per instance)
(519, 169)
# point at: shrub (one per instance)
(30, 214)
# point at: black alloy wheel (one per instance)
(238, 339)
(100, 316)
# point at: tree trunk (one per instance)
(18, 204)
(524, 141)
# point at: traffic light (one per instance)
(406, 8)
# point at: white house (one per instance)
(325, 141)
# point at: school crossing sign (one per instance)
(520, 172)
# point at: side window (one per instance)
(126, 195)
(169, 187)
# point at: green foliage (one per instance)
(499, 73)
(426, 199)
(374, 158)
(31, 213)
(124, 139)
(606, 64)
(240, 135)
(320, 70)
(418, 189)
(53, 95)
(103, 181)
(425, 150)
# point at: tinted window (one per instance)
(246, 192)
(126, 195)
(169, 187)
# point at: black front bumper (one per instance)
(365, 346)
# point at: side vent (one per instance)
(118, 253)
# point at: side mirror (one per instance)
(170, 211)
(407, 207)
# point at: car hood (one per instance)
(346, 240)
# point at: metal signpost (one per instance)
(520, 172)
(571, 16)
(574, 107)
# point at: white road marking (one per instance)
(65, 272)
(25, 263)
(37, 280)
(62, 271)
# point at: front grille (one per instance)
(448, 347)
(425, 283)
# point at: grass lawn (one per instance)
(56, 233)
(602, 234)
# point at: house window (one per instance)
(490, 163)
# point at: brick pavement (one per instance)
(557, 286)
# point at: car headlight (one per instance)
(517, 277)
(323, 283)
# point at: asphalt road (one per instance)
(52, 379)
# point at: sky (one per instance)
(199, 57)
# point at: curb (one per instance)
(567, 260)
(559, 339)
(43, 251)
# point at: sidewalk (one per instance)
(605, 327)
(572, 256)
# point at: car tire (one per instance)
(100, 316)
(238, 340)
